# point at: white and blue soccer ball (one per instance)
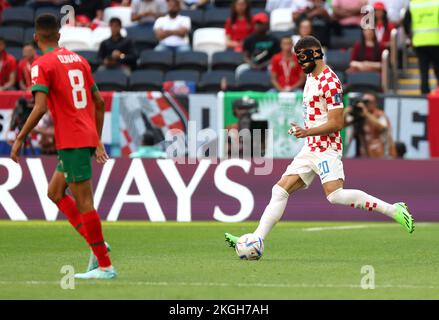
(249, 247)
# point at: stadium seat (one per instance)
(347, 38)
(16, 52)
(111, 80)
(29, 35)
(18, 16)
(192, 60)
(280, 34)
(254, 80)
(76, 38)
(363, 81)
(209, 40)
(91, 56)
(338, 60)
(143, 39)
(281, 20)
(211, 81)
(123, 13)
(146, 80)
(150, 59)
(186, 75)
(197, 17)
(50, 10)
(258, 3)
(341, 76)
(12, 35)
(100, 34)
(216, 17)
(222, 3)
(226, 60)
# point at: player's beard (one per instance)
(310, 67)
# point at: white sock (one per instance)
(273, 212)
(361, 200)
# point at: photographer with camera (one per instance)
(371, 128)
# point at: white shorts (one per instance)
(308, 164)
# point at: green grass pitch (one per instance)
(315, 260)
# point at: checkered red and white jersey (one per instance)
(321, 94)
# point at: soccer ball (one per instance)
(249, 247)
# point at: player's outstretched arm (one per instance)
(37, 113)
(335, 123)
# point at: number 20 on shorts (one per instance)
(323, 167)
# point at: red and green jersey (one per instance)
(67, 80)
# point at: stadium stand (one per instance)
(281, 20)
(197, 17)
(111, 80)
(209, 40)
(143, 38)
(338, 59)
(363, 81)
(216, 17)
(183, 75)
(123, 13)
(146, 80)
(76, 38)
(212, 81)
(191, 60)
(226, 60)
(18, 16)
(347, 38)
(12, 35)
(150, 59)
(91, 56)
(16, 52)
(254, 80)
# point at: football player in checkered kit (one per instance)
(322, 153)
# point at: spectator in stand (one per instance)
(319, 13)
(314, 10)
(348, 12)
(24, 67)
(259, 47)
(383, 26)
(393, 9)
(8, 68)
(286, 73)
(173, 29)
(117, 51)
(89, 13)
(145, 12)
(304, 29)
(239, 25)
(366, 54)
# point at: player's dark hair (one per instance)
(286, 38)
(307, 42)
(2, 40)
(116, 20)
(47, 27)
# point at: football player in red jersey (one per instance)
(62, 82)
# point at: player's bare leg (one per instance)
(275, 209)
(358, 199)
(82, 192)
